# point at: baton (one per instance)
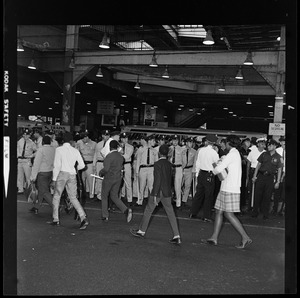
(252, 195)
(138, 187)
(96, 176)
(93, 186)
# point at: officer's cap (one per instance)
(123, 135)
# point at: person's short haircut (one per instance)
(223, 141)
(233, 140)
(67, 137)
(113, 145)
(164, 150)
(46, 140)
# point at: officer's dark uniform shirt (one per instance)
(269, 163)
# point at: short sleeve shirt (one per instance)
(270, 163)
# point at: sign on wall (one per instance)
(105, 107)
(276, 129)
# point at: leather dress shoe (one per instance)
(175, 240)
(104, 218)
(136, 233)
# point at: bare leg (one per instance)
(217, 226)
(238, 226)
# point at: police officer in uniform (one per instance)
(146, 157)
(205, 179)
(127, 151)
(266, 177)
(176, 157)
(98, 161)
(161, 141)
(87, 148)
(26, 149)
(189, 155)
(38, 139)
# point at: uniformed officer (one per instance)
(127, 151)
(52, 135)
(189, 154)
(176, 157)
(114, 135)
(146, 157)
(98, 161)
(87, 148)
(135, 183)
(203, 170)
(266, 177)
(26, 149)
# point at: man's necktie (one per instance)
(173, 159)
(187, 156)
(23, 152)
(148, 156)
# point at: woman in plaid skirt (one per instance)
(228, 200)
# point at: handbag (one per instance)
(32, 193)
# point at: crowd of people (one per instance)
(226, 176)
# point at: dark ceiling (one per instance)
(191, 83)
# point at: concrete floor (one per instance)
(105, 259)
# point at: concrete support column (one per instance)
(68, 88)
(280, 80)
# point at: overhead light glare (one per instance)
(248, 102)
(137, 85)
(19, 90)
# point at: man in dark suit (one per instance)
(112, 172)
(161, 192)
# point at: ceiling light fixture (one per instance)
(32, 65)
(20, 46)
(248, 102)
(105, 42)
(153, 62)
(166, 73)
(137, 85)
(239, 75)
(72, 62)
(208, 39)
(222, 87)
(248, 60)
(99, 73)
(19, 90)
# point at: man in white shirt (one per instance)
(205, 179)
(228, 200)
(64, 175)
(115, 135)
(127, 151)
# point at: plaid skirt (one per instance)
(227, 201)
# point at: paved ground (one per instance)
(106, 259)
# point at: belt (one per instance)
(188, 167)
(127, 162)
(176, 166)
(266, 173)
(146, 166)
(204, 171)
(88, 162)
(24, 157)
(99, 160)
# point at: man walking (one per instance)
(64, 175)
(112, 173)
(161, 192)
